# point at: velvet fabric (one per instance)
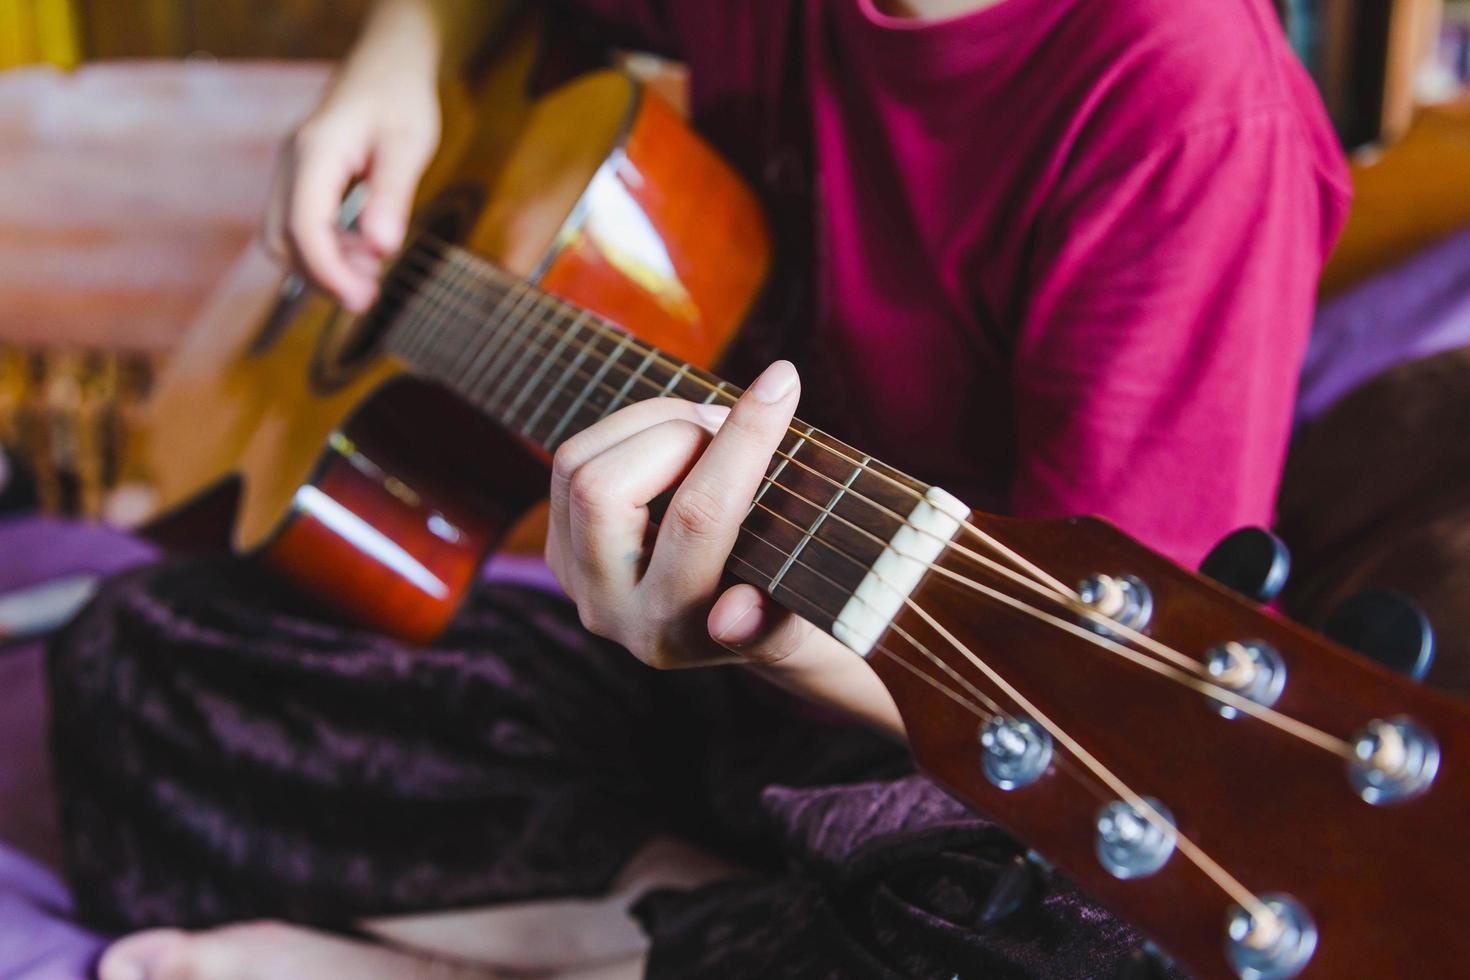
(223, 754)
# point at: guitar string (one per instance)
(1093, 615)
(1199, 683)
(487, 272)
(483, 271)
(1187, 847)
(1231, 698)
(1056, 586)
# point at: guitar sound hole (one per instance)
(446, 221)
(283, 311)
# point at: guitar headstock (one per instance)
(1262, 802)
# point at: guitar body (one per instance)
(280, 430)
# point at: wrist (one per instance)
(401, 43)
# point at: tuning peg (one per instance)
(1386, 627)
(1148, 963)
(1017, 883)
(1252, 561)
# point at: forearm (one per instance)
(826, 672)
(434, 37)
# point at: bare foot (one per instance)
(567, 939)
(267, 951)
(557, 934)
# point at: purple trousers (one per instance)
(223, 753)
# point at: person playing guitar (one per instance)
(1058, 255)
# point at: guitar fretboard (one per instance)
(820, 536)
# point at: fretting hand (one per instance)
(656, 591)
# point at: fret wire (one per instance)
(561, 381)
(503, 386)
(489, 271)
(500, 315)
(821, 517)
(587, 390)
(683, 372)
(508, 329)
(1062, 593)
(426, 310)
(673, 381)
(419, 326)
(465, 298)
(814, 610)
(439, 285)
(715, 392)
(488, 313)
(545, 367)
(622, 393)
(437, 349)
(780, 464)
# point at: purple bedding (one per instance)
(1414, 310)
(37, 939)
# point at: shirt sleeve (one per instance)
(1168, 312)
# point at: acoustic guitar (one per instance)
(1263, 803)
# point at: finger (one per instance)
(792, 653)
(141, 955)
(747, 621)
(312, 232)
(608, 518)
(703, 519)
(273, 227)
(396, 167)
(621, 425)
(361, 258)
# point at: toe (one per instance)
(140, 956)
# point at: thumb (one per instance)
(393, 177)
(748, 622)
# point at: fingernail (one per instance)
(713, 416)
(775, 383)
(727, 633)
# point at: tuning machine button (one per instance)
(1129, 844)
(1148, 962)
(1252, 561)
(1393, 760)
(1252, 669)
(1018, 884)
(1124, 599)
(1386, 627)
(1017, 751)
(1270, 948)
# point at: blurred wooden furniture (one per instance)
(126, 193)
(219, 28)
(1415, 193)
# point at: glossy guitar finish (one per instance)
(1276, 813)
(368, 487)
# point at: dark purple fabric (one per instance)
(38, 940)
(1417, 309)
(222, 754)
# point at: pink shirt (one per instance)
(1065, 252)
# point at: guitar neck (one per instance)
(832, 534)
